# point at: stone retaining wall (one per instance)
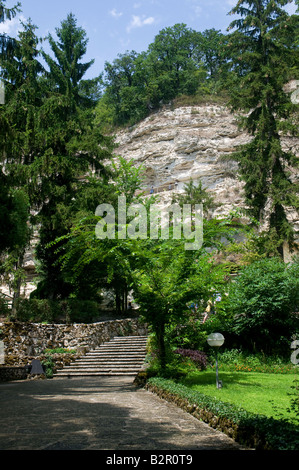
(26, 341)
(8, 374)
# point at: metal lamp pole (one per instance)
(216, 340)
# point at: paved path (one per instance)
(106, 413)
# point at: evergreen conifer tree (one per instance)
(70, 147)
(20, 70)
(263, 57)
(66, 69)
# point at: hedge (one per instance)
(249, 429)
(44, 310)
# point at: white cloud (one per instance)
(115, 13)
(139, 22)
(13, 26)
(198, 10)
(291, 8)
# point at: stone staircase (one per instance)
(122, 355)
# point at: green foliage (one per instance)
(237, 360)
(136, 263)
(67, 72)
(13, 217)
(7, 44)
(187, 277)
(195, 194)
(188, 334)
(180, 61)
(261, 305)
(249, 429)
(15, 117)
(49, 366)
(50, 311)
(59, 351)
(51, 142)
(263, 58)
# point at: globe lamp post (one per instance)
(215, 340)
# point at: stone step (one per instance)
(107, 368)
(107, 354)
(89, 370)
(95, 374)
(119, 356)
(115, 360)
(128, 339)
(113, 347)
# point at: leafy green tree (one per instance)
(125, 87)
(173, 55)
(164, 300)
(261, 306)
(91, 265)
(212, 42)
(163, 276)
(260, 57)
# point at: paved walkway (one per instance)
(106, 413)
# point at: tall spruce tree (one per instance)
(70, 147)
(263, 56)
(66, 69)
(20, 73)
(7, 45)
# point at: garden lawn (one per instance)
(261, 393)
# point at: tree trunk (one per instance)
(17, 286)
(160, 333)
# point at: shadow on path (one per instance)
(106, 413)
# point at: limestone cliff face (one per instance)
(190, 142)
(175, 146)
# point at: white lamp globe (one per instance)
(215, 339)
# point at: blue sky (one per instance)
(119, 25)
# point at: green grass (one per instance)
(262, 393)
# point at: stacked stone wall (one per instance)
(23, 342)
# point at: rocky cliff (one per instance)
(177, 145)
